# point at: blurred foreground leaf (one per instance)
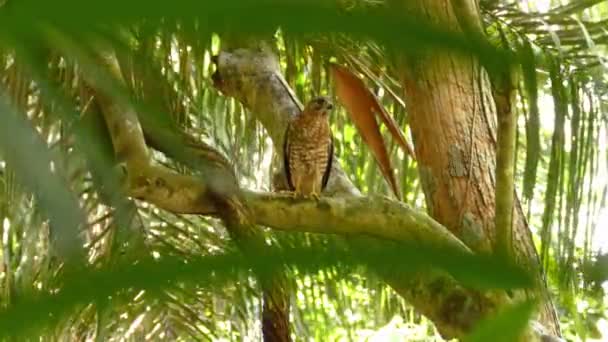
(506, 326)
(26, 152)
(35, 312)
(394, 28)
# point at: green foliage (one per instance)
(149, 273)
(507, 326)
(34, 313)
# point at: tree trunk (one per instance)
(453, 123)
(253, 77)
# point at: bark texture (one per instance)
(253, 77)
(175, 192)
(453, 123)
(453, 308)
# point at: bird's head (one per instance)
(320, 105)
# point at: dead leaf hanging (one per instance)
(361, 105)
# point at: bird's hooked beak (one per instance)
(322, 105)
(326, 108)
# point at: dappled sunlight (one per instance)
(141, 170)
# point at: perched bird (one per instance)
(308, 149)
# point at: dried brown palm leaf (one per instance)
(362, 106)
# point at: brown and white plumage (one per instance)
(308, 149)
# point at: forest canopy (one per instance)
(145, 193)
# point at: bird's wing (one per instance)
(286, 153)
(330, 160)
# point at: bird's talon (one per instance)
(286, 193)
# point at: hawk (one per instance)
(308, 149)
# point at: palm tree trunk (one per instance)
(453, 123)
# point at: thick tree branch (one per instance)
(145, 178)
(462, 198)
(214, 191)
(453, 308)
(253, 77)
(377, 217)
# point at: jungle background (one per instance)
(83, 258)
